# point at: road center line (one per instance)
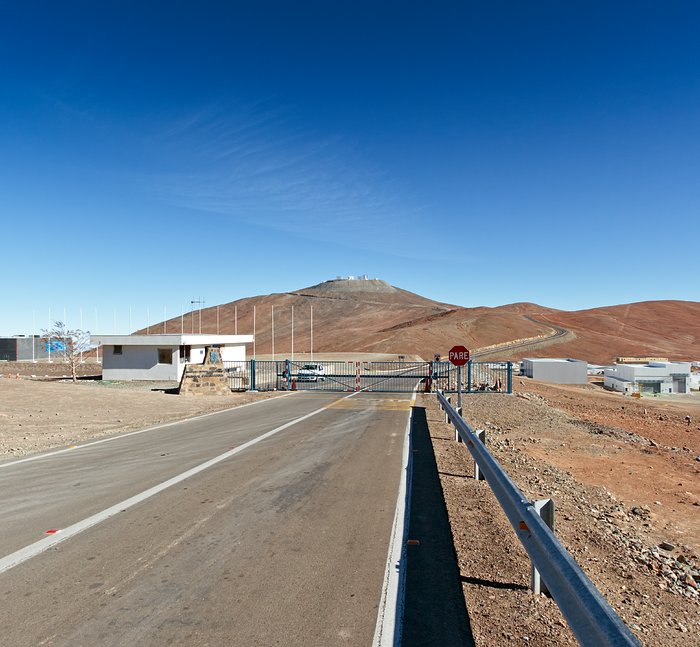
(38, 547)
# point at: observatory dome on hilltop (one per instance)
(355, 284)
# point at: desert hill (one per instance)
(654, 328)
(351, 315)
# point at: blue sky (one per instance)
(476, 153)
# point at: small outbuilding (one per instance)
(163, 357)
(556, 370)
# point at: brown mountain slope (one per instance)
(356, 316)
(649, 328)
(373, 316)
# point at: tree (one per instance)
(67, 344)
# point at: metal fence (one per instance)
(592, 620)
(352, 375)
(477, 377)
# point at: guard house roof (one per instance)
(170, 340)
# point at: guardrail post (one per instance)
(457, 436)
(481, 435)
(544, 508)
(447, 418)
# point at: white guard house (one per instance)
(651, 378)
(162, 357)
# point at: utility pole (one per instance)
(200, 302)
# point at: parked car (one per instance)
(311, 373)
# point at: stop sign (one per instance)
(459, 355)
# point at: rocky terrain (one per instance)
(627, 500)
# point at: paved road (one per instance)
(557, 337)
(282, 543)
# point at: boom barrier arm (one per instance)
(592, 620)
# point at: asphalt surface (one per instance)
(282, 543)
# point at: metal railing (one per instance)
(592, 620)
(396, 377)
(477, 377)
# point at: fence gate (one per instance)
(353, 375)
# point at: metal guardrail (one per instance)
(592, 620)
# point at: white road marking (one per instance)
(387, 631)
(38, 547)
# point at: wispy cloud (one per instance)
(257, 165)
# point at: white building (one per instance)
(556, 370)
(162, 357)
(651, 378)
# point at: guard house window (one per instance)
(117, 349)
(165, 356)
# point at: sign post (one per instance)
(459, 356)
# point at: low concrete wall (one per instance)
(204, 379)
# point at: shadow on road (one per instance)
(435, 612)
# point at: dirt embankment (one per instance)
(624, 477)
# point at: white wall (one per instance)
(138, 363)
(228, 354)
(613, 381)
(556, 370)
(141, 362)
(233, 353)
(197, 354)
(627, 377)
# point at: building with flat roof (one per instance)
(163, 357)
(555, 369)
(22, 348)
(649, 379)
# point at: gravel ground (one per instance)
(611, 528)
(37, 415)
